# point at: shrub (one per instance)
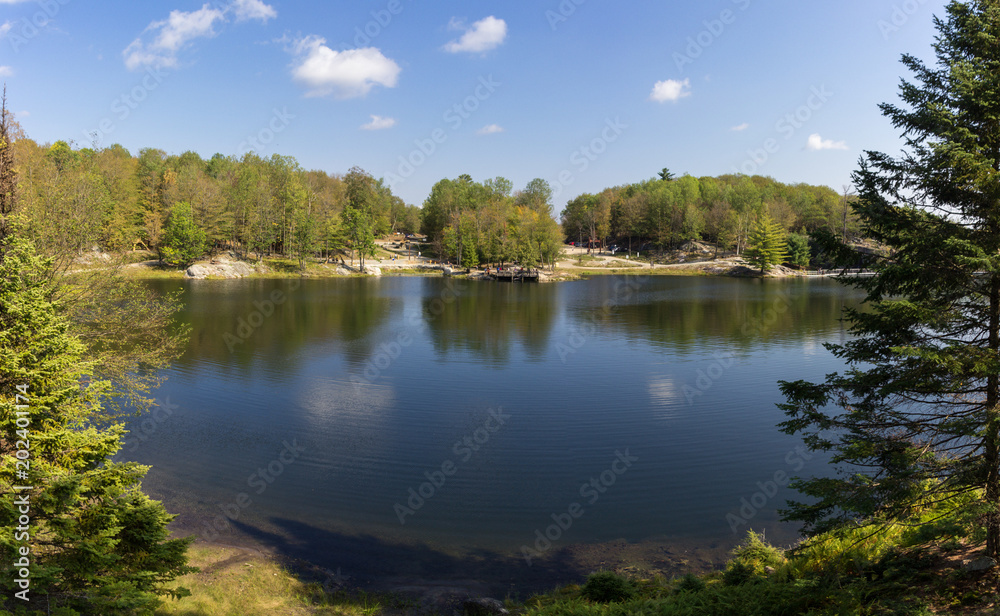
(737, 573)
(607, 587)
(757, 554)
(691, 583)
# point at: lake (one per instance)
(524, 432)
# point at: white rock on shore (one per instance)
(220, 269)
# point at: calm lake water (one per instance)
(440, 423)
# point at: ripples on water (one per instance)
(682, 373)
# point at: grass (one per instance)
(234, 582)
(893, 568)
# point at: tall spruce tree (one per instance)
(76, 531)
(916, 418)
(768, 244)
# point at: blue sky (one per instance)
(583, 93)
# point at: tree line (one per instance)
(666, 212)
(183, 205)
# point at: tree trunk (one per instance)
(991, 445)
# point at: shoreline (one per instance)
(365, 563)
(373, 561)
(696, 259)
(279, 269)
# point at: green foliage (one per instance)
(691, 583)
(718, 209)
(607, 586)
(915, 417)
(72, 200)
(798, 250)
(305, 236)
(767, 244)
(98, 544)
(738, 573)
(359, 218)
(885, 577)
(473, 223)
(183, 241)
(758, 554)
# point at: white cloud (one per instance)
(379, 123)
(345, 74)
(6, 71)
(492, 129)
(670, 90)
(253, 9)
(181, 27)
(740, 128)
(818, 143)
(6, 27)
(484, 35)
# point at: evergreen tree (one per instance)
(768, 246)
(917, 416)
(96, 543)
(76, 531)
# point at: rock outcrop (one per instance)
(220, 268)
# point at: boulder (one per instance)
(483, 607)
(979, 564)
(220, 269)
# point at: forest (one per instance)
(76, 199)
(667, 211)
(184, 206)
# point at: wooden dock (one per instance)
(830, 273)
(513, 275)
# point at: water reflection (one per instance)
(739, 315)
(238, 323)
(681, 370)
(489, 318)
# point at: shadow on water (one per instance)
(371, 563)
